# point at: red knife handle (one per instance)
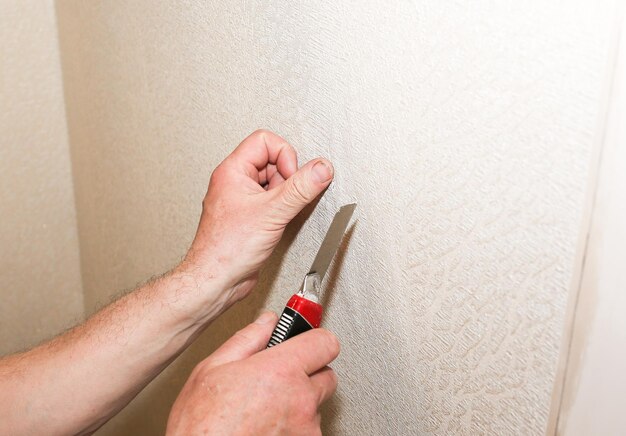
(300, 314)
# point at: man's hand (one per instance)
(243, 389)
(253, 194)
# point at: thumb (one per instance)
(246, 342)
(303, 186)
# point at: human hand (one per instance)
(253, 194)
(243, 388)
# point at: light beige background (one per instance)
(593, 398)
(40, 284)
(465, 133)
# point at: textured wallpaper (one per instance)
(40, 284)
(463, 131)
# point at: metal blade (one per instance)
(332, 240)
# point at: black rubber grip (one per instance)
(290, 324)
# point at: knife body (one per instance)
(303, 310)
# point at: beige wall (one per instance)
(465, 133)
(40, 284)
(593, 397)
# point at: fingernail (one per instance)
(265, 318)
(322, 172)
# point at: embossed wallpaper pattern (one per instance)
(463, 130)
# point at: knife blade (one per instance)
(303, 311)
(332, 240)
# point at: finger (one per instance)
(324, 382)
(264, 147)
(275, 181)
(262, 177)
(310, 350)
(267, 173)
(247, 341)
(302, 188)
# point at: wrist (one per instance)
(196, 293)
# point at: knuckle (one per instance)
(260, 132)
(201, 370)
(217, 174)
(297, 193)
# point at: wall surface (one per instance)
(464, 132)
(593, 397)
(40, 283)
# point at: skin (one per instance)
(242, 389)
(76, 382)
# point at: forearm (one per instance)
(76, 382)
(79, 380)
